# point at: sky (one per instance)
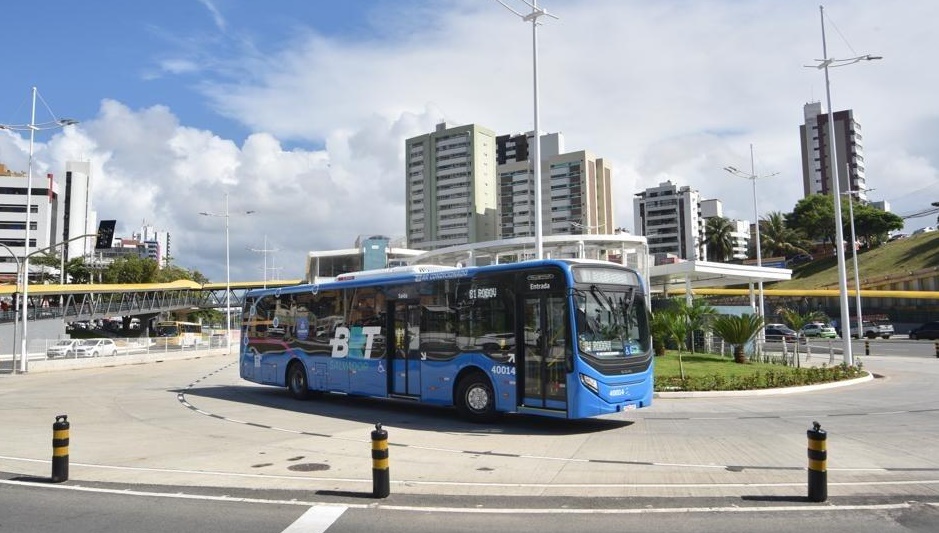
(298, 110)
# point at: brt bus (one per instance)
(178, 334)
(559, 338)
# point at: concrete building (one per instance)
(451, 187)
(816, 154)
(155, 242)
(76, 212)
(670, 218)
(740, 235)
(43, 206)
(575, 188)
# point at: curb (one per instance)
(765, 392)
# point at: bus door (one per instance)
(404, 357)
(542, 373)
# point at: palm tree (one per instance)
(718, 235)
(796, 320)
(738, 331)
(778, 239)
(698, 315)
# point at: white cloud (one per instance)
(665, 90)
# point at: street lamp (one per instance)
(536, 13)
(33, 127)
(756, 217)
(857, 279)
(227, 272)
(824, 64)
(22, 277)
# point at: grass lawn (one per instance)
(704, 371)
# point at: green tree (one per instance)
(49, 263)
(778, 239)
(698, 315)
(738, 331)
(718, 235)
(796, 320)
(131, 269)
(872, 226)
(814, 216)
(77, 271)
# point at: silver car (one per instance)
(95, 347)
(62, 348)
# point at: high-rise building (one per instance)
(670, 218)
(156, 243)
(739, 235)
(44, 198)
(76, 212)
(575, 188)
(451, 187)
(816, 153)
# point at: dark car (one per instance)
(929, 330)
(799, 259)
(780, 333)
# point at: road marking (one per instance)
(328, 510)
(316, 519)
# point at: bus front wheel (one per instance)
(475, 399)
(296, 381)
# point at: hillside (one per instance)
(901, 256)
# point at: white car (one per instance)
(62, 348)
(95, 347)
(818, 329)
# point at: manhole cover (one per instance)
(308, 467)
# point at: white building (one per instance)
(156, 242)
(43, 202)
(76, 212)
(670, 218)
(740, 235)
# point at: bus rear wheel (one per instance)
(296, 381)
(475, 399)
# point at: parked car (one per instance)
(929, 330)
(95, 347)
(62, 348)
(820, 330)
(778, 334)
(799, 259)
(870, 330)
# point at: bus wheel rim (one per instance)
(477, 398)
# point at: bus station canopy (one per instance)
(708, 274)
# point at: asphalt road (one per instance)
(223, 448)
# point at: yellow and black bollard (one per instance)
(867, 347)
(381, 480)
(60, 449)
(818, 463)
(937, 348)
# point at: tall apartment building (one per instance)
(451, 187)
(43, 204)
(575, 188)
(76, 214)
(816, 154)
(670, 218)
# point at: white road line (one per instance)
(316, 519)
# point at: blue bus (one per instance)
(558, 338)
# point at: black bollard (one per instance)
(60, 431)
(381, 480)
(818, 463)
(867, 347)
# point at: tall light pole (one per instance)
(857, 279)
(33, 127)
(264, 251)
(824, 64)
(756, 217)
(536, 13)
(227, 216)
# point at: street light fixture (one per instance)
(536, 13)
(756, 217)
(227, 216)
(32, 127)
(824, 64)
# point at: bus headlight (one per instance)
(589, 382)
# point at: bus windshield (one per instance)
(167, 330)
(610, 322)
